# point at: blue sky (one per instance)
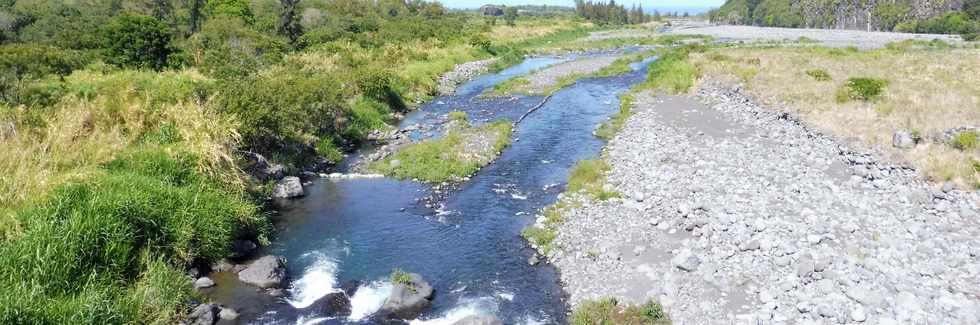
(645, 3)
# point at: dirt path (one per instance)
(736, 214)
(829, 37)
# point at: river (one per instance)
(469, 246)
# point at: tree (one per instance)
(510, 15)
(138, 41)
(196, 6)
(289, 24)
(230, 8)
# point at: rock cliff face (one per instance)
(839, 14)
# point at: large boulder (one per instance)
(288, 187)
(266, 272)
(408, 299)
(203, 314)
(479, 320)
(334, 304)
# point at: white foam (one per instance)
(368, 299)
(518, 196)
(318, 280)
(312, 321)
(506, 296)
(466, 308)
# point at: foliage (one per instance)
(510, 15)
(458, 154)
(672, 72)
(819, 75)
(86, 238)
(139, 42)
(608, 311)
(230, 8)
(862, 88)
(542, 237)
(227, 48)
(966, 140)
(400, 277)
(589, 176)
(610, 13)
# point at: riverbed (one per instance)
(468, 244)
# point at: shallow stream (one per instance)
(468, 247)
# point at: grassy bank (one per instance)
(609, 311)
(865, 96)
(121, 131)
(460, 153)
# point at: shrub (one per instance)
(609, 311)
(227, 48)
(282, 110)
(861, 88)
(542, 237)
(139, 42)
(327, 149)
(819, 75)
(966, 140)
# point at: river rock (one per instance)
(265, 272)
(241, 248)
(903, 139)
(260, 168)
(479, 320)
(228, 314)
(333, 304)
(288, 187)
(203, 282)
(203, 314)
(408, 300)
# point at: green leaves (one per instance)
(140, 42)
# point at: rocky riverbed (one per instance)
(461, 73)
(734, 213)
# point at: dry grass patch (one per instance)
(927, 91)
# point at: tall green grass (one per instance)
(108, 249)
(672, 72)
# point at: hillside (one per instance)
(945, 17)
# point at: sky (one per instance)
(570, 3)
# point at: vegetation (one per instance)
(939, 98)
(862, 88)
(887, 16)
(609, 312)
(966, 140)
(588, 176)
(610, 13)
(120, 124)
(672, 72)
(400, 277)
(458, 154)
(819, 75)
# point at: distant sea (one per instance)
(689, 10)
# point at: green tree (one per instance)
(230, 8)
(510, 15)
(138, 41)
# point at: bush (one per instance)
(609, 311)
(227, 48)
(866, 89)
(281, 110)
(327, 149)
(966, 140)
(819, 75)
(139, 42)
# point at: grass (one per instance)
(672, 72)
(819, 75)
(930, 89)
(608, 311)
(610, 128)
(402, 278)
(458, 154)
(588, 176)
(966, 141)
(112, 244)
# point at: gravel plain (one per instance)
(828, 37)
(737, 214)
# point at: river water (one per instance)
(469, 247)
